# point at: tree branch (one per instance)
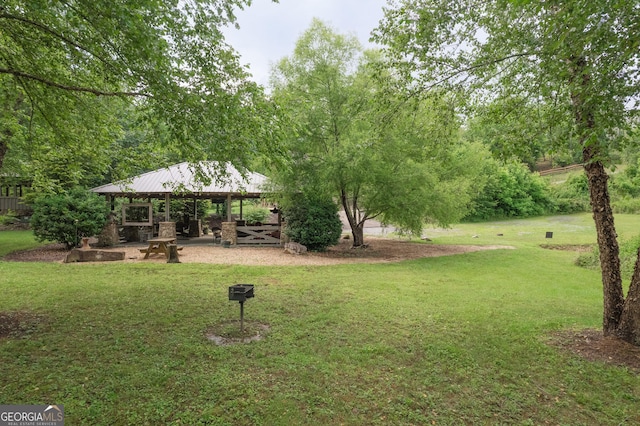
(69, 88)
(55, 34)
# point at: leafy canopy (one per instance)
(383, 157)
(68, 67)
(562, 53)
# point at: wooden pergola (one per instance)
(205, 180)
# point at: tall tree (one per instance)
(66, 64)
(398, 162)
(579, 55)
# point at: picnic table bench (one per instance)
(159, 245)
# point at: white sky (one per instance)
(269, 31)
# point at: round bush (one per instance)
(313, 222)
(67, 217)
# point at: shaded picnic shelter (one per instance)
(222, 184)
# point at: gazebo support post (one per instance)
(195, 208)
(167, 207)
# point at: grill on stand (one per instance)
(241, 292)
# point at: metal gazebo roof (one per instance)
(183, 180)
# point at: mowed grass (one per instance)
(450, 340)
(11, 241)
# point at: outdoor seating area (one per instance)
(142, 222)
(159, 246)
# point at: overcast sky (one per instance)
(269, 31)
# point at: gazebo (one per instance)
(205, 180)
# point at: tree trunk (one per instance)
(358, 235)
(357, 227)
(629, 328)
(173, 254)
(613, 297)
(607, 243)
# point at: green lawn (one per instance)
(16, 240)
(450, 340)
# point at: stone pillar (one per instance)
(284, 238)
(109, 235)
(167, 230)
(229, 232)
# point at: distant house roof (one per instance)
(186, 178)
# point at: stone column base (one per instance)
(229, 232)
(109, 236)
(167, 230)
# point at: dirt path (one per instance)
(379, 250)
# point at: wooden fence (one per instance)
(560, 170)
(268, 235)
(14, 204)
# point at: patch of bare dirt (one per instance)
(19, 323)
(582, 248)
(592, 345)
(378, 250)
(228, 333)
(18, 226)
(48, 253)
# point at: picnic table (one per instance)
(158, 245)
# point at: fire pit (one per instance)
(241, 292)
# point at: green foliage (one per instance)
(625, 187)
(255, 214)
(9, 218)
(627, 183)
(511, 191)
(557, 55)
(572, 195)
(83, 82)
(518, 128)
(628, 256)
(182, 208)
(68, 216)
(355, 140)
(626, 205)
(312, 221)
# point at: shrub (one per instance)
(590, 260)
(572, 195)
(627, 183)
(255, 214)
(313, 222)
(626, 205)
(511, 191)
(628, 256)
(67, 216)
(9, 218)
